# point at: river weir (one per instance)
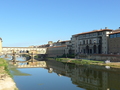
(54, 75)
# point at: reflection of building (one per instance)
(89, 77)
(91, 42)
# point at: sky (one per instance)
(35, 22)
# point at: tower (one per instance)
(0, 45)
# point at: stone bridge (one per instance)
(6, 50)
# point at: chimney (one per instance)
(106, 27)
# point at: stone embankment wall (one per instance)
(103, 57)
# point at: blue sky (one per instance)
(35, 22)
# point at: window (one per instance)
(99, 33)
(84, 36)
(80, 36)
(100, 41)
(115, 35)
(118, 35)
(111, 36)
(90, 34)
(87, 41)
(80, 43)
(83, 41)
(87, 35)
(94, 41)
(94, 34)
(90, 42)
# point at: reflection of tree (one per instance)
(15, 72)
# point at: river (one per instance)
(64, 76)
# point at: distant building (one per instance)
(59, 48)
(56, 51)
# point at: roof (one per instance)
(93, 31)
(65, 41)
(58, 46)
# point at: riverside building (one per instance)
(58, 48)
(114, 42)
(93, 42)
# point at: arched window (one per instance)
(87, 41)
(80, 43)
(94, 41)
(83, 41)
(90, 41)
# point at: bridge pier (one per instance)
(32, 57)
(14, 57)
(6, 56)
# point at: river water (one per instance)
(64, 76)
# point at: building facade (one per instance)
(103, 41)
(56, 51)
(114, 43)
(0, 45)
(58, 48)
(93, 42)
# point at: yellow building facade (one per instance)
(0, 45)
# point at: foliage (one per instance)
(25, 55)
(16, 89)
(78, 61)
(4, 63)
(61, 59)
(83, 61)
(68, 56)
(36, 56)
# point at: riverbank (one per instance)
(86, 62)
(6, 81)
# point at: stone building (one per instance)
(93, 42)
(56, 51)
(73, 43)
(58, 48)
(60, 43)
(114, 43)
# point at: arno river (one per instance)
(64, 76)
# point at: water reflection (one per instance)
(88, 77)
(15, 72)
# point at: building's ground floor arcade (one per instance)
(90, 49)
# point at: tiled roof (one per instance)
(58, 46)
(93, 31)
(65, 41)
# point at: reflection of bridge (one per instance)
(27, 64)
(23, 50)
